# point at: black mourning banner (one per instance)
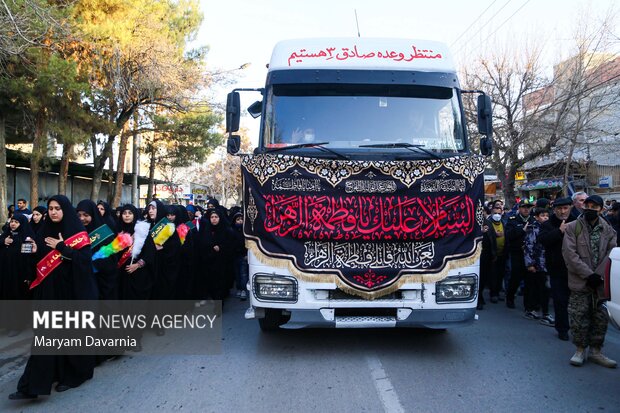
(367, 222)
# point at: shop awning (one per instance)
(541, 184)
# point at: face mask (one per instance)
(496, 217)
(590, 214)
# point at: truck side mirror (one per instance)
(233, 112)
(485, 115)
(486, 146)
(233, 144)
(255, 109)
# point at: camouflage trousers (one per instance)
(588, 322)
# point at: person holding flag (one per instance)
(100, 234)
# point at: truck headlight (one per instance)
(462, 288)
(275, 288)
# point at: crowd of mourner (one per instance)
(550, 251)
(163, 252)
(553, 251)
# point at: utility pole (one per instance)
(222, 200)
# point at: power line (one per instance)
(582, 92)
(472, 23)
(483, 25)
(505, 21)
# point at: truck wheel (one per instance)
(273, 320)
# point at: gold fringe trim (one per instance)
(368, 295)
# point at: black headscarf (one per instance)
(41, 210)
(88, 206)
(172, 210)
(21, 233)
(161, 212)
(82, 284)
(69, 226)
(180, 214)
(223, 219)
(128, 228)
(183, 211)
(108, 217)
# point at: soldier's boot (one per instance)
(599, 358)
(579, 357)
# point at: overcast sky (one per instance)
(245, 31)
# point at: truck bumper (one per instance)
(324, 318)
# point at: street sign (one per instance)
(606, 182)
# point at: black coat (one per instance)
(515, 233)
(551, 238)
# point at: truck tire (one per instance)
(273, 320)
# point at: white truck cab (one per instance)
(363, 199)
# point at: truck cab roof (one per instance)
(361, 53)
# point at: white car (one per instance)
(612, 288)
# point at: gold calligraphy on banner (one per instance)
(296, 184)
(443, 185)
(358, 186)
(396, 255)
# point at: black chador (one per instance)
(136, 264)
(39, 213)
(100, 234)
(167, 256)
(109, 216)
(72, 279)
(16, 261)
(216, 241)
(17, 268)
(185, 277)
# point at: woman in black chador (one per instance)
(105, 268)
(185, 277)
(108, 214)
(38, 217)
(167, 254)
(136, 264)
(17, 265)
(72, 279)
(216, 241)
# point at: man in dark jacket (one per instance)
(551, 235)
(515, 233)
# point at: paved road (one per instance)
(503, 363)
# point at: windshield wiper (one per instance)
(318, 145)
(409, 146)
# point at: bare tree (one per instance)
(223, 175)
(536, 116)
(28, 23)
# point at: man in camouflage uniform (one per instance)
(585, 248)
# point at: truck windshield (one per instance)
(350, 116)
